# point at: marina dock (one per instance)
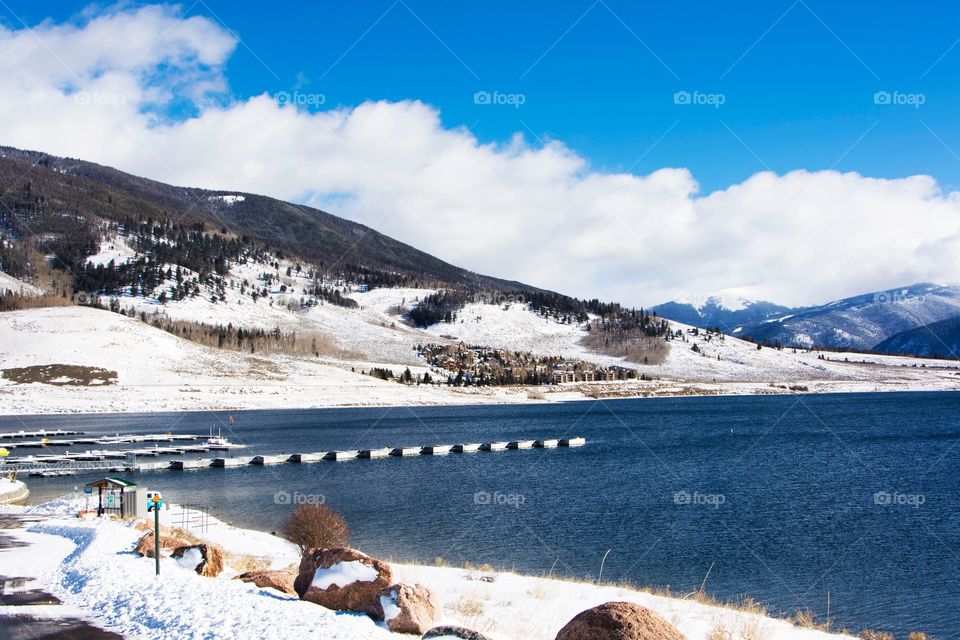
(119, 460)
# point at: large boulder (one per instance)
(279, 580)
(205, 559)
(618, 621)
(451, 632)
(343, 579)
(407, 608)
(145, 545)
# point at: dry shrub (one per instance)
(315, 526)
(10, 301)
(244, 563)
(917, 635)
(468, 607)
(720, 632)
(870, 634)
(184, 534)
(806, 619)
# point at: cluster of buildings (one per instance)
(486, 365)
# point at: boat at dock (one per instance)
(220, 443)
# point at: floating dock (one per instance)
(437, 449)
(191, 464)
(307, 457)
(41, 433)
(230, 462)
(127, 460)
(341, 455)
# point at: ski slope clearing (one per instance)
(87, 564)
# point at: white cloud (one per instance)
(109, 90)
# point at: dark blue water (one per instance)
(789, 498)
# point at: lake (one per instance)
(787, 498)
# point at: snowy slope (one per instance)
(9, 283)
(157, 371)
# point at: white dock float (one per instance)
(277, 459)
(520, 444)
(152, 466)
(572, 442)
(230, 462)
(466, 448)
(437, 449)
(341, 455)
(371, 454)
(406, 451)
(200, 463)
(494, 446)
(307, 457)
(546, 444)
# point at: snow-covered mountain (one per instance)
(937, 340)
(729, 309)
(861, 322)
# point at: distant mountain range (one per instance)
(922, 319)
(728, 311)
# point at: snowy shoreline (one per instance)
(88, 565)
(43, 402)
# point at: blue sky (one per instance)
(788, 150)
(797, 78)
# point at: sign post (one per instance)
(154, 506)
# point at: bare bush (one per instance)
(315, 526)
(10, 301)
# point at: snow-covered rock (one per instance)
(343, 579)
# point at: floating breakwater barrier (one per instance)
(97, 461)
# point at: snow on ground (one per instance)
(88, 565)
(116, 249)
(157, 371)
(9, 283)
(11, 490)
(514, 326)
(119, 591)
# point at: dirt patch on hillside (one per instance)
(72, 375)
